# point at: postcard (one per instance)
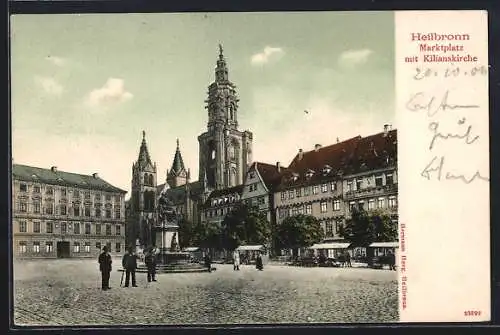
(250, 168)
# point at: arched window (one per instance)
(231, 113)
(233, 180)
(151, 181)
(213, 154)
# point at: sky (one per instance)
(85, 86)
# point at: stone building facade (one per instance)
(57, 214)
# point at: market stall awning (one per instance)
(337, 245)
(192, 249)
(384, 245)
(250, 247)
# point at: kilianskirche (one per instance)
(225, 154)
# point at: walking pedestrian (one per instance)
(105, 268)
(348, 259)
(208, 262)
(258, 262)
(150, 260)
(236, 260)
(129, 263)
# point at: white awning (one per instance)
(250, 247)
(330, 246)
(384, 245)
(191, 249)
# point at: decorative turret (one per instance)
(177, 175)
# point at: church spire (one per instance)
(221, 72)
(144, 158)
(178, 163)
(177, 175)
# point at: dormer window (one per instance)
(326, 169)
(309, 173)
(295, 176)
(34, 176)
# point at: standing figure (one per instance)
(236, 260)
(105, 267)
(208, 262)
(129, 263)
(348, 259)
(258, 262)
(392, 261)
(150, 260)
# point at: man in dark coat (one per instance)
(105, 267)
(208, 262)
(258, 262)
(150, 260)
(129, 263)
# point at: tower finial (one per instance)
(177, 144)
(220, 51)
(143, 135)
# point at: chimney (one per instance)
(301, 154)
(317, 147)
(338, 140)
(53, 169)
(95, 175)
(386, 129)
(278, 166)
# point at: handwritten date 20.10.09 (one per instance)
(450, 72)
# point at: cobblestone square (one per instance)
(67, 292)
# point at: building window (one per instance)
(23, 187)
(108, 213)
(392, 202)
(262, 200)
(63, 228)
(49, 247)
(283, 195)
(87, 229)
(98, 245)
(87, 246)
(49, 191)
(63, 210)
(77, 228)
(336, 205)
(300, 210)
(358, 184)
(117, 213)
(76, 211)
(49, 229)
(294, 211)
(118, 247)
(380, 203)
(76, 194)
(36, 227)
(108, 229)
(76, 247)
(36, 207)
(324, 188)
(371, 204)
(23, 207)
(361, 205)
(379, 180)
(307, 190)
(315, 189)
(63, 192)
(298, 192)
(352, 206)
(98, 229)
(332, 186)
(118, 229)
(117, 198)
(323, 206)
(36, 247)
(49, 209)
(291, 194)
(97, 212)
(108, 197)
(36, 189)
(86, 195)
(389, 179)
(98, 197)
(329, 228)
(308, 209)
(22, 247)
(87, 211)
(349, 186)
(22, 226)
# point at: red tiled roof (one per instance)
(269, 173)
(354, 155)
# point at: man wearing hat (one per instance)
(129, 263)
(105, 267)
(150, 260)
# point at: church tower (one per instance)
(177, 175)
(143, 200)
(225, 151)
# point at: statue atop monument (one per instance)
(166, 210)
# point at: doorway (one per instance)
(63, 249)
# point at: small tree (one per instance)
(187, 233)
(299, 231)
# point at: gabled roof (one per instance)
(269, 173)
(355, 155)
(224, 192)
(61, 178)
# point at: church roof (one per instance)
(178, 163)
(144, 159)
(178, 194)
(62, 178)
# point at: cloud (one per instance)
(266, 55)
(351, 58)
(112, 92)
(49, 85)
(58, 61)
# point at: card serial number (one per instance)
(472, 313)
